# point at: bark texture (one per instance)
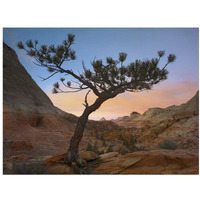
(73, 151)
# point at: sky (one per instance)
(99, 43)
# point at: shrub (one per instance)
(99, 160)
(168, 144)
(29, 167)
(102, 137)
(100, 152)
(95, 147)
(89, 147)
(129, 144)
(109, 149)
(124, 151)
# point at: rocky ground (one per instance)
(36, 134)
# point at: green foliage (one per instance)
(102, 137)
(20, 45)
(50, 55)
(62, 79)
(95, 148)
(69, 83)
(129, 144)
(99, 160)
(56, 85)
(88, 74)
(52, 49)
(73, 55)
(89, 147)
(29, 167)
(54, 91)
(71, 38)
(122, 57)
(100, 152)
(110, 61)
(31, 53)
(161, 53)
(105, 80)
(29, 44)
(171, 58)
(168, 144)
(109, 149)
(50, 69)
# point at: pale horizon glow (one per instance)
(163, 95)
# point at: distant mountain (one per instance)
(134, 115)
(103, 119)
(190, 108)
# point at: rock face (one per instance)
(20, 92)
(152, 112)
(192, 106)
(151, 162)
(33, 126)
(176, 124)
(31, 122)
(189, 109)
(134, 115)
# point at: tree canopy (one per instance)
(109, 78)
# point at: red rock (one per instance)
(107, 156)
(73, 164)
(89, 155)
(57, 169)
(152, 162)
(54, 159)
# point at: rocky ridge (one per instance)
(176, 123)
(33, 125)
(161, 141)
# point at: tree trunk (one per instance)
(73, 151)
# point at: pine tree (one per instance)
(105, 80)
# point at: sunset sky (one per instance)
(138, 43)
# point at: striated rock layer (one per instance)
(31, 123)
(151, 162)
(161, 141)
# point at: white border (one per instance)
(105, 13)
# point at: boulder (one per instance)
(108, 156)
(54, 159)
(89, 155)
(134, 115)
(114, 165)
(152, 162)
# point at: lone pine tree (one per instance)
(106, 81)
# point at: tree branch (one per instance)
(61, 91)
(86, 102)
(43, 79)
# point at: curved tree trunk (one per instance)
(73, 151)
